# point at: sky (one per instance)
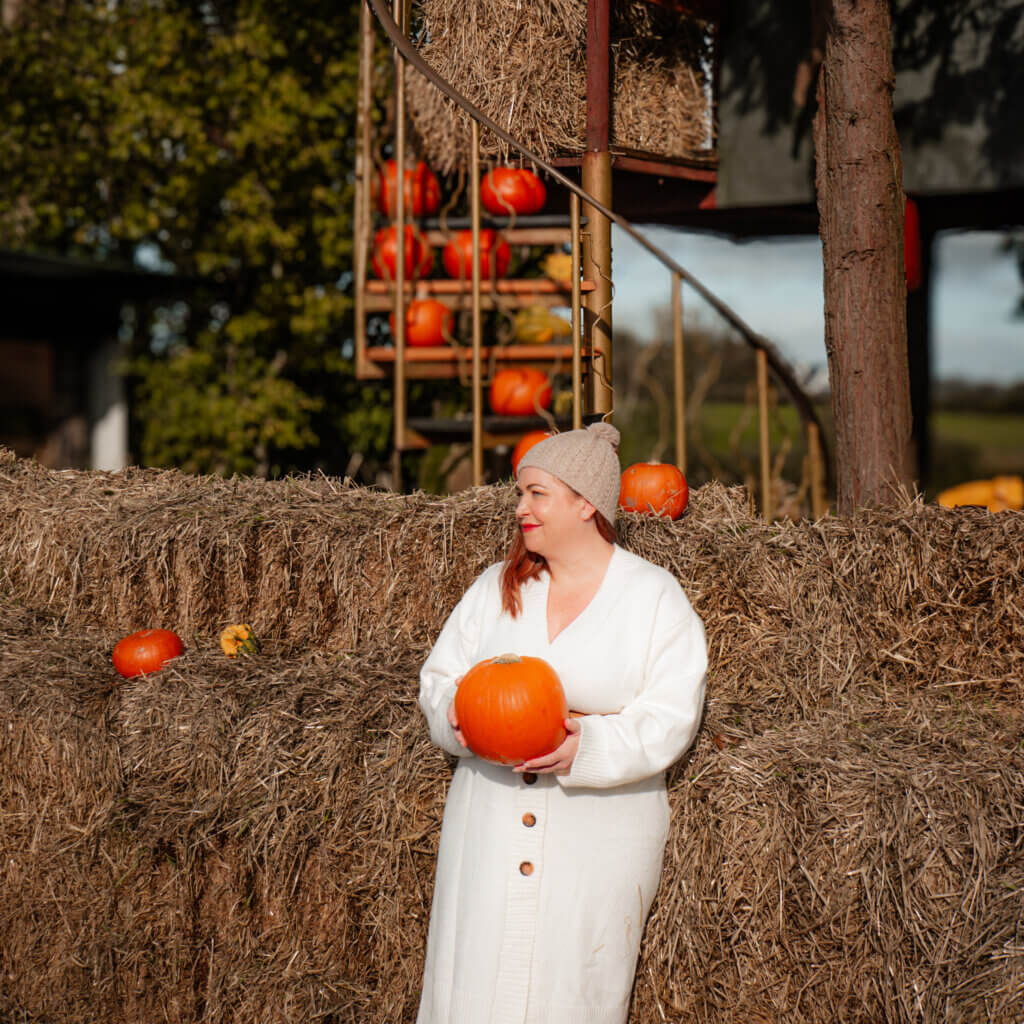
(776, 287)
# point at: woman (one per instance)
(546, 871)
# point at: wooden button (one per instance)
(526, 868)
(529, 820)
(529, 778)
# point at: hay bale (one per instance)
(524, 65)
(254, 840)
(799, 615)
(70, 932)
(308, 559)
(864, 865)
(258, 844)
(243, 841)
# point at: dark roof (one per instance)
(35, 268)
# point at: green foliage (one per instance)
(218, 138)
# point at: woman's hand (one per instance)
(560, 760)
(453, 720)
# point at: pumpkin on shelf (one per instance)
(418, 255)
(654, 488)
(457, 255)
(509, 190)
(422, 192)
(520, 392)
(524, 444)
(511, 709)
(239, 639)
(146, 651)
(427, 322)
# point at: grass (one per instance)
(973, 445)
(966, 445)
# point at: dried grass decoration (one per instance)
(524, 65)
(255, 840)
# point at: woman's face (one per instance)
(551, 515)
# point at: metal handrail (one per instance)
(768, 352)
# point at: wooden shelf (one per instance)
(450, 361)
(385, 304)
(514, 236)
(450, 354)
(497, 430)
(702, 169)
(505, 286)
(508, 294)
(462, 222)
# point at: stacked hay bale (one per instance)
(524, 65)
(254, 839)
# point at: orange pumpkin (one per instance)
(511, 709)
(457, 256)
(422, 192)
(513, 391)
(146, 651)
(656, 488)
(507, 190)
(427, 321)
(418, 255)
(526, 442)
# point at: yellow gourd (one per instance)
(536, 325)
(558, 267)
(239, 639)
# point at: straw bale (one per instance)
(265, 850)
(65, 875)
(524, 65)
(859, 866)
(254, 839)
(798, 615)
(311, 559)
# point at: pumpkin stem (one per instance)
(507, 659)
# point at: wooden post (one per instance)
(767, 509)
(596, 178)
(399, 224)
(577, 357)
(474, 206)
(816, 465)
(363, 179)
(678, 371)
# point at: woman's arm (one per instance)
(452, 657)
(656, 728)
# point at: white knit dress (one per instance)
(543, 887)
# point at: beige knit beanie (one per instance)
(587, 460)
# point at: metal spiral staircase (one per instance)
(586, 231)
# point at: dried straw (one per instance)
(254, 839)
(524, 65)
(861, 865)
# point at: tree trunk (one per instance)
(860, 202)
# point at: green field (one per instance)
(723, 443)
(970, 445)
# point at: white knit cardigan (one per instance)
(543, 887)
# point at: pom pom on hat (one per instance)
(587, 460)
(605, 432)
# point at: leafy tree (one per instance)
(217, 137)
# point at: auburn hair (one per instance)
(522, 565)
